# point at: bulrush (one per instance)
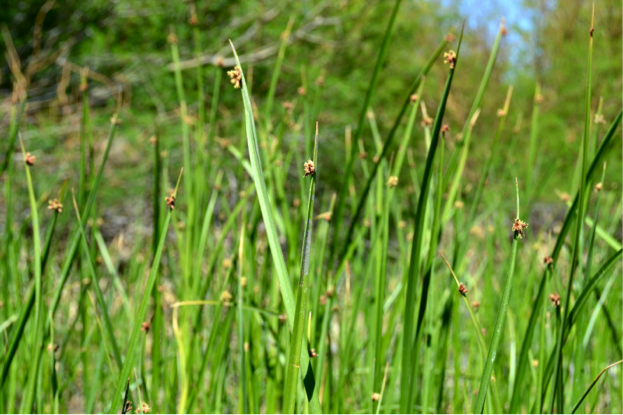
(236, 77)
(29, 159)
(54, 204)
(309, 168)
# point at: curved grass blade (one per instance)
(592, 385)
(407, 375)
(343, 194)
(386, 146)
(285, 286)
(466, 133)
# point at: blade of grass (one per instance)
(499, 323)
(296, 340)
(133, 344)
(592, 385)
(407, 375)
(273, 240)
(576, 258)
(341, 202)
(30, 392)
(386, 146)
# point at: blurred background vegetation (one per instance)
(124, 45)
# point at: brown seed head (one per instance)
(320, 81)
(592, 31)
(170, 201)
(283, 318)
(219, 61)
(84, 86)
(363, 155)
(445, 128)
(236, 76)
(548, 260)
(376, 396)
(54, 204)
(393, 181)
(172, 39)
(145, 326)
(599, 119)
(309, 168)
(426, 121)
(450, 58)
(301, 90)
(287, 105)
(555, 299)
(501, 112)
(449, 37)
(518, 228)
(413, 98)
(598, 187)
(30, 159)
(462, 289)
(312, 353)
(475, 305)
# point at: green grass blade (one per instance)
(407, 375)
(579, 402)
(296, 340)
(387, 145)
(273, 240)
(499, 323)
(342, 195)
(30, 392)
(135, 342)
(558, 396)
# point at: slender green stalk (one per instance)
(133, 345)
(273, 241)
(296, 340)
(37, 346)
(579, 402)
(558, 395)
(386, 146)
(499, 322)
(467, 128)
(341, 203)
(407, 376)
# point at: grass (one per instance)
(215, 297)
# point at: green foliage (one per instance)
(215, 298)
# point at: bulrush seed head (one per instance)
(54, 204)
(376, 396)
(598, 187)
(393, 181)
(445, 128)
(30, 159)
(518, 228)
(309, 168)
(462, 289)
(548, 260)
(236, 77)
(171, 201)
(450, 58)
(555, 299)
